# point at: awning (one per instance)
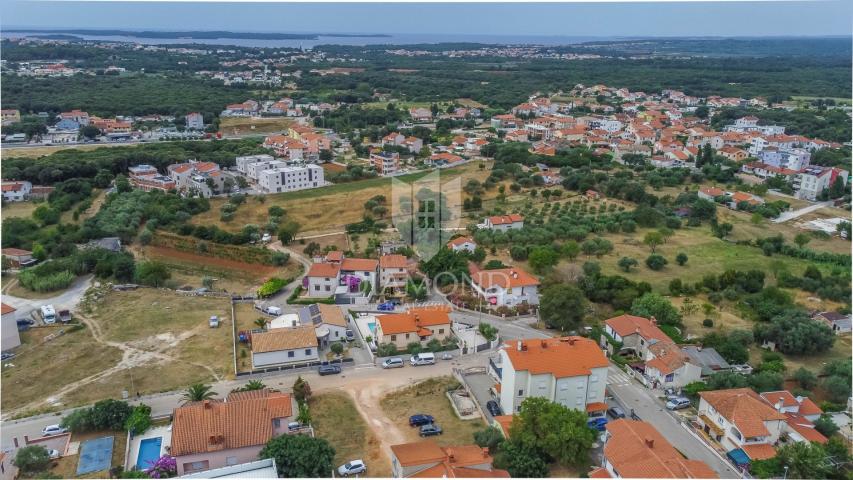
(739, 457)
(596, 407)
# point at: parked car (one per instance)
(394, 362)
(273, 310)
(329, 370)
(48, 314)
(423, 358)
(350, 335)
(53, 453)
(678, 403)
(615, 412)
(493, 408)
(430, 430)
(420, 419)
(352, 467)
(25, 322)
(386, 307)
(65, 316)
(7, 356)
(599, 423)
(52, 430)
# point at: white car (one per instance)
(54, 453)
(352, 467)
(52, 430)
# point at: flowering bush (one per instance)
(164, 467)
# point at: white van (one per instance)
(424, 358)
(273, 310)
(48, 314)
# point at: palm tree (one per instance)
(261, 322)
(253, 385)
(197, 393)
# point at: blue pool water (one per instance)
(372, 327)
(149, 452)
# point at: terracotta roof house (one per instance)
(18, 258)
(740, 419)
(281, 346)
(840, 323)
(504, 286)
(637, 333)
(416, 325)
(571, 371)
(428, 460)
(329, 322)
(393, 273)
(463, 243)
(670, 367)
(216, 433)
(504, 222)
(322, 279)
(635, 449)
(710, 193)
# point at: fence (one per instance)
(293, 367)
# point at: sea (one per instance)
(327, 39)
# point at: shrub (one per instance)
(708, 323)
(656, 262)
(34, 458)
(139, 420)
(271, 287)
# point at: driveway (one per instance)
(785, 216)
(480, 383)
(68, 299)
(631, 395)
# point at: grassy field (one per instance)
(429, 397)
(243, 125)
(328, 209)
(43, 367)
(18, 209)
(744, 229)
(336, 419)
(232, 276)
(66, 467)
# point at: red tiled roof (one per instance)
(359, 264)
(323, 270)
(599, 473)
(637, 450)
(561, 357)
(744, 408)
(7, 309)
(413, 321)
(503, 277)
(15, 252)
(759, 451)
(804, 427)
(460, 240)
(238, 421)
(393, 261)
(625, 325)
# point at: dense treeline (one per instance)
(108, 95)
(830, 125)
(74, 163)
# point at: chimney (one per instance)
(485, 452)
(650, 442)
(778, 405)
(653, 320)
(544, 344)
(571, 341)
(450, 457)
(519, 345)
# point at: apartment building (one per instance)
(146, 177)
(195, 121)
(571, 371)
(197, 178)
(385, 163)
(812, 180)
(288, 179)
(393, 273)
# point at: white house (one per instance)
(195, 121)
(505, 286)
(285, 345)
(9, 328)
(243, 163)
(393, 272)
(288, 179)
(670, 367)
(739, 418)
(462, 244)
(503, 222)
(329, 322)
(571, 371)
(16, 191)
(323, 279)
(364, 269)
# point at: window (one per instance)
(593, 378)
(290, 354)
(307, 351)
(393, 338)
(317, 287)
(520, 392)
(564, 387)
(440, 330)
(328, 288)
(407, 336)
(196, 466)
(276, 422)
(230, 460)
(670, 377)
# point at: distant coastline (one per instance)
(194, 35)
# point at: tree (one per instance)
(287, 231)
(110, 414)
(562, 306)
(681, 259)
(676, 287)
(301, 390)
(152, 273)
(825, 425)
(795, 333)
(488, 332)
(801, 239)
(542, 258)
(490, 437)
(198, 392)
(626, 263)
(570, 249)
(261, 322)
(653, 239)
(805, 378)
(253, 385)
(804, 460)
(559, 432)
(337, 348)
(656, 262)
(724, 380)
(90, 131)
(139, 420)
(654, 305)
(721, 230)
(520, 461)
(304, 415)
(32, 459)
(300, 456)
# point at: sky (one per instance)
(727, 18)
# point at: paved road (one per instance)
(164, 404)
(633, 396)
(785, 216)
(67, 299)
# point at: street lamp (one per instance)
(785, 476)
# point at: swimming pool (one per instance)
(149, 452)
(372, 327)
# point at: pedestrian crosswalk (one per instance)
(618, 377)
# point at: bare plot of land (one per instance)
(335, 418)
(244, 125)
